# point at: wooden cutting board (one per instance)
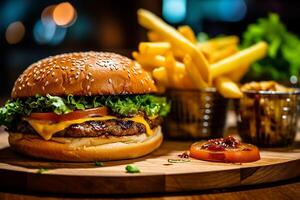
(157, 174)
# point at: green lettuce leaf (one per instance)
(282, 60)
(122, 105)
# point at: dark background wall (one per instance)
(111, 25)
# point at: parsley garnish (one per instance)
(132, 169)
(99, 164)
(42, 170)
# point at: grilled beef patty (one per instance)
(112, 127)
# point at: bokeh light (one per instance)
(48, 33)
(174, 11)
(294, 79)
(47, 14)
(44, 32)
(232, 10)
(59, 35)
(15, 32)
(64, 14)
(11, 11)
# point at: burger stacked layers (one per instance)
(84, 107)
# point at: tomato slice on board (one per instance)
(78, 114)
(219, 151)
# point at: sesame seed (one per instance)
(110, 81)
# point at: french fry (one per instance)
(188, 33)
(218, 43)
(178, 53)
(154, 23)
(233, 62)
(222, 53)
(161, 79)
(149, 62)
(170, 63)
(160, 75)
(180, 76)
(154, 47)
(237, 75)
(170, 67)
(227, 87)
(193, 73)
(191, 70)
(153, 61)
(154, 37)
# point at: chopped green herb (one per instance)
(42, 170)
(99, 164)
(178, 160)
(132, 169)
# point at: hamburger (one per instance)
(87, 106)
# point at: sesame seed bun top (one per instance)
(83, 74)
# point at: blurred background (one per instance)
(31, 30)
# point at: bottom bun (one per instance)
(54, 150)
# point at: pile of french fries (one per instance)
(177, 60)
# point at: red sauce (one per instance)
(221, 144)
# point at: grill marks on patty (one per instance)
(112, 127)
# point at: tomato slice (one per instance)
(219, 151)
(78, 114)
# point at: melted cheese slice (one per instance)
(46, 129)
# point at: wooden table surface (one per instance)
(281, 190)
(289, 189)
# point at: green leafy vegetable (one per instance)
(42, 170)
(132, 169)
(122, 105)
(282, 60)
(99, 164)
